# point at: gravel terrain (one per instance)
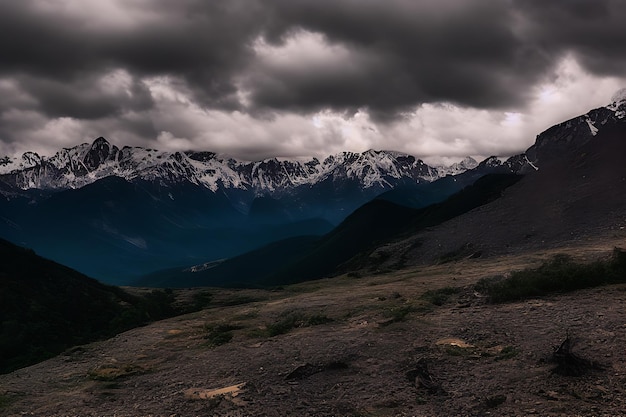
(349, 346)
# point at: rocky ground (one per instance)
(349, 346)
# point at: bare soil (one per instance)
(361, 346)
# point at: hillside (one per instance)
(575, 196)
(421, 341)
(304, 258)
(46, 308)
(379, 222)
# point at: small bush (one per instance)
(508, 352)
(560, 274)
(295, 320)
(201, 300)
(318, 319)
(285, 324)
(441, 296)
(399, 313)
(113, 372)
(220, 334)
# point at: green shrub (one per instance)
(295, 320)
(440, 297)
(201, 300)
(559, 274)
(152, 306)
(219, 334)
(398, 313)
(508, 352)
(285, 324)
(318, 319)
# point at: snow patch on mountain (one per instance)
(531, 164)
(27, 160)
(592, 128)
(618, 103)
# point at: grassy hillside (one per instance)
(46, 308)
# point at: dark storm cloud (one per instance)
(204, 43)
(591, 30)
(407, 51)
(179, 40)
(464, 52)
(200, 42)
(84, 98)
(386, 56)
(34, 43)
(477, 53)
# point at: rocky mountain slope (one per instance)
(575, 194)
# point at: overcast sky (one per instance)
(263, 78)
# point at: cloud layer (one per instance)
(258, 78)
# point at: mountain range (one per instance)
(72, 168)
(572, 189)
(150, 210)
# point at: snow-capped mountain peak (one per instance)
(458, 167)
(618, 103)
(27, 160)
(99, 153)
(83, 164)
